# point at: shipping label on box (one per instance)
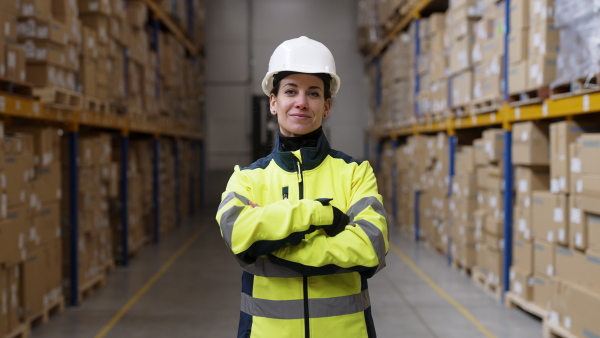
(494, 144)
(577, 229)
(522, 223)
(39, 9)
(541, 12)
(543, 40)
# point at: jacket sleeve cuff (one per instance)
(322, 214)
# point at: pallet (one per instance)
(529, 97)
(117, 108)
(486, 105)
(552, 330)
(59, 97)
(24, 329)
(21, 331)
(580, 86)
(481, 281)
(95, 105)
(512, 300)
(460, 111)
(13, 87)
(89, 287)
(464, 270)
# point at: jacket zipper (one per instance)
(304, 278)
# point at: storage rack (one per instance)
(17, 106)
(505, 116)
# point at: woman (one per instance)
(306, 222)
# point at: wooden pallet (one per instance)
(552, 330)
(461, 110)
(89, 287)
(581, 86)
(529, 97)
(95, 105)
(465, 270)
(13, 87)
(483, 106)
(512, 300)
(117, 108)
(59, 97)
(481, 281)
(21, 331)
(55, 307)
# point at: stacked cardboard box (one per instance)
(432, 66)
(489, 216)
(166, 174)
(97, 180)
(49, 46)
(12, 58)
(385, 174)
(518, 46)
(577, 267)
(142, 149)
(533, 244)
(463, 204)
(488, 54)
(461, 19)
(31, 240)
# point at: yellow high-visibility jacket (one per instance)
(297, 281)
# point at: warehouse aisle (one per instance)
(197, 295)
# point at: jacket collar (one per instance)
(309, 157)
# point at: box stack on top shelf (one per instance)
(432, 67)
(12, 58)
(411, 159)
(488, 58)
(461, 19)
(367, 26)
(397, 86)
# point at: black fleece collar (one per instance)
(313, 147)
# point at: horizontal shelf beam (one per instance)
(166, 19)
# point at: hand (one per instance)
(340, 220)
(254, 205)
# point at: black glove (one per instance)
(340, 220)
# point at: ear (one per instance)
(273, 104)
(327, 109)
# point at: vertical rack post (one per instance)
(156, 188)
(508, 208)
(416, 66)
(124, 199)
(201, 147)
(452, 171)
(74, 218)
(177, 183)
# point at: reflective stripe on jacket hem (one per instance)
(294, 309)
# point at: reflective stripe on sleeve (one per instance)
(365, 202)
(376, 238)
(231, 196)
(294, 309)
(228, 220)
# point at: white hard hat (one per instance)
(302, 55)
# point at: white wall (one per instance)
(236, 67)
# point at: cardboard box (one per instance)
(14, 233)
(543, 40)
(590, 185)
(541, 70)
(522, 222)
(569, 265)
(8, 25)
(39, 9)
(46, 227)
(34, 287)
(517, 77)
(523, 256)
(95, 7)
(581, 306)
(45, 52)
(578, 237)
(531, 144)
(15, 298)
(591, 272)
(575, 151)
(53, 31)
(519, 15)
(590, 154)
(543, 257)
(592, 223)
(541, 12)
(528, 179)
(494, 144)
(543, 289)
(518, 41)
(562, 134)
(98, 23)
(4, 293)
(461, 55)
(522, 284)
(479, 147)
(15, 62)
(550, 216)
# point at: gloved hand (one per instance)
(340, 220)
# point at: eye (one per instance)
(290, 92)
(314, 94)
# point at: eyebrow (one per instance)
(295, 85)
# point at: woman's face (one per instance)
(300, 104)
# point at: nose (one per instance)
(301, 102)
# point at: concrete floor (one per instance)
(189, 284)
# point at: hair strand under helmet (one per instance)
(302, 55)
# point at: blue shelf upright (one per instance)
(452, 140)
(124, 200)
(73, 218)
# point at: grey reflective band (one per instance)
(376, 238)
(317, 307)
(363, 203)
(228, 220)
(263, 267)
(231, 196)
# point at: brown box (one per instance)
(562, 134)
(88, 73)
(460, 55)
(543, 289)
(15, 298)
(590, 154)
(592, 223)
(14, 232)
(48, 183)
(89, 44)
(34, 287)
(543, 40)
(582, 307)
(550, 216)
(517, 77)
(531, 144)
(590, 185)
(578, 237)
(15, 62)
(94, 7)
(4, 292)
(522, 222)
(569, 265)
(522, 284)
(479, 146)
(518, 45)
(494, 226)
(528, 179)
(494, 144)
(46, 224)
(523, 256)
(575, 150)
(543, 257)
(137, 13)
(8, 25)
(541, 70)
(39, 9)
(591, 271)
(519, 15)
(99, 23)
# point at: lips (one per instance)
(300, 116)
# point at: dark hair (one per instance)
(323, 76)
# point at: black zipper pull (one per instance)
(284, 193)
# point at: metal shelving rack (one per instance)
(504, 117)
(72, 119)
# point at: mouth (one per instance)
(300, 116)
